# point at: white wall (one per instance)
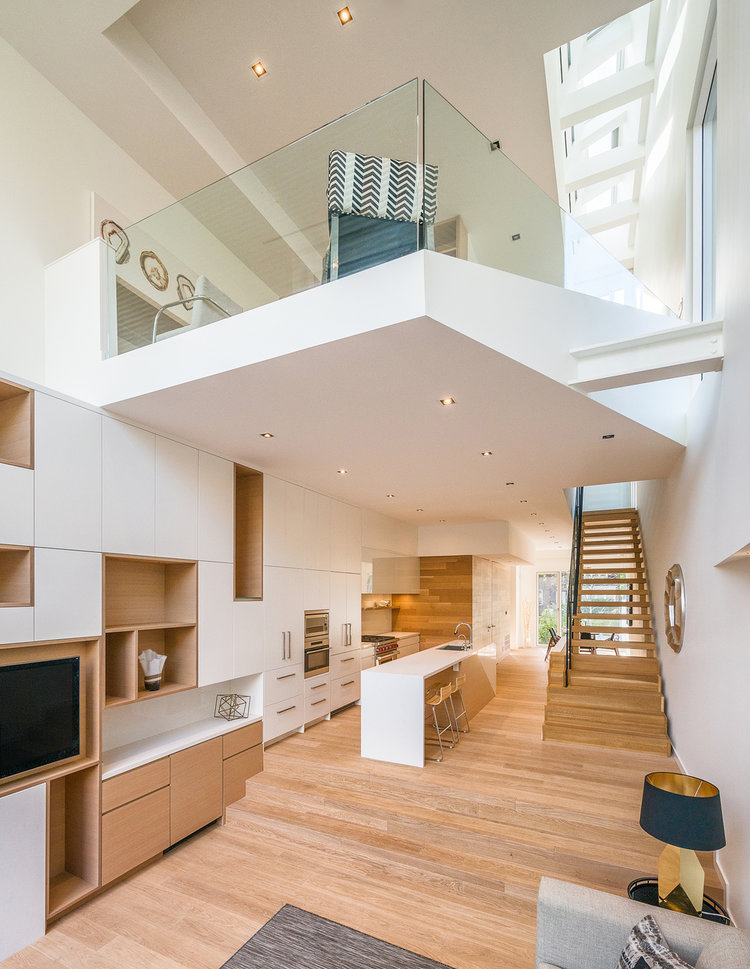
(701, 514)
(53, 158)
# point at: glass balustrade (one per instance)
(288, 223)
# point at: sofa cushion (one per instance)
(646, 948)
(728, 950)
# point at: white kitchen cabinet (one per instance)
(23, 877)
(317, 531)
(345, 690)
(17, 624)
(17, 505)
(176, 500)
(67, 594)
(408, 645)
(282, 717)
(344, 664)
(215, 508)
(317, 589)
(128, 488)
(283, 683)
(249, 636)
(283, 523)
(346, 537)
(346, 611)
(68, 475)
(284, 625)
(215, 622)
(317, 697)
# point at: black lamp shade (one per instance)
(683, 811)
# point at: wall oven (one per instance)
(317, 645)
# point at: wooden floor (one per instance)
(445, 860)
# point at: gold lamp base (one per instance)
(681, 880)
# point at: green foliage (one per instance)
(547, 622)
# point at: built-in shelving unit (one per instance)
(16, 425)
(73, 808)
(149, 604)
(16, 575)
(248, 533)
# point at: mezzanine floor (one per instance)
(445, 860)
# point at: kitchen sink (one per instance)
(458, 646)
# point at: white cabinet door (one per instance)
(346, 537)
(283, 523)
(67, 594)
(317, 590)
(215, 622)
(284, 617)
(283, 717)
(17, 505)
(338, 628)
(176, 500)
(68, 475)
(249, 634)
(354, 608)
(17, 624)
(317, 531)
(23, 836)
(128, 488)
(215, 508)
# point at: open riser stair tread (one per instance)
(637, 721)
(608, 702)
(606, 738)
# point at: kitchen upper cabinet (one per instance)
(67, 594)
(215, 508)
(128, 489)
(68, 483)
(17, 505)
(176, 500)
(283, 597)
(346, 611)
(249, 635)
(346, 537)
(283, 523)
(317, 590)
(215, 622)
(317, 531)
(395, 574)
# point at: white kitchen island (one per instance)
(392, 700)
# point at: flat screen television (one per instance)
(39, 714)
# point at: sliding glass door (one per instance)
(551, 604)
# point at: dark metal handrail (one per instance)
(573, 578)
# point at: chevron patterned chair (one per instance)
(378, 209)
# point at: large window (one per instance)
(552, 604)
(708, 204)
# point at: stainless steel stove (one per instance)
(385, 648)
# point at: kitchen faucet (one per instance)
(455, 631)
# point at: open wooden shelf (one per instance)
(73, 811)
(248, 533)
(16, 425)
(16, 575)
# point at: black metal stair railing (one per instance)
(573, 579)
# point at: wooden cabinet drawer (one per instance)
(282, 683)
(242, 739)
(345, 690)
(345, 664)
(238, 768)
(282, 717)
(318, 705)
(318, 685)
(133, 833)
(123, 788)
(195, 788)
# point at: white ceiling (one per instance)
(485, 56)
(370, 404)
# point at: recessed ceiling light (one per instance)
(486, 454)
(422, 509)
(258, 69)
(447, 401)
(524, 501)
(442, 521)
(344, 15)
(509, 483)
(342, 471)
(267, 434)
(541, 523)
(533, 514)
(607, 437)
(389, 495)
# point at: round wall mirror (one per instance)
(674, 607)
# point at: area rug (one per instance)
(295, 939)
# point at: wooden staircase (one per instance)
(613, 697)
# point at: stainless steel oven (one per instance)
(317, 645)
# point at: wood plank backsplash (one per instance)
(445, 599)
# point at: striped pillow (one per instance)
(646, 948)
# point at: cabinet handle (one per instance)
(287, 709)
(318, 701)
(350, 632)
(349, 659)
(283, 645)
(289, 640)
(285, 676)
(319, 686)
(348, 683)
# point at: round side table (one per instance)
(647, 890)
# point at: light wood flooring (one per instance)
(444, 861)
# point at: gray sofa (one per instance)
(581, 928)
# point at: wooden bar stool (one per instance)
(433, 700)
(458, 691)
(453, 687)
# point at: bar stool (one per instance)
(452, 687)
(457, 691)
(433, 700)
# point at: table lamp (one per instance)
(685, 812)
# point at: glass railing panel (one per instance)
(502, 219)
(255, 236)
